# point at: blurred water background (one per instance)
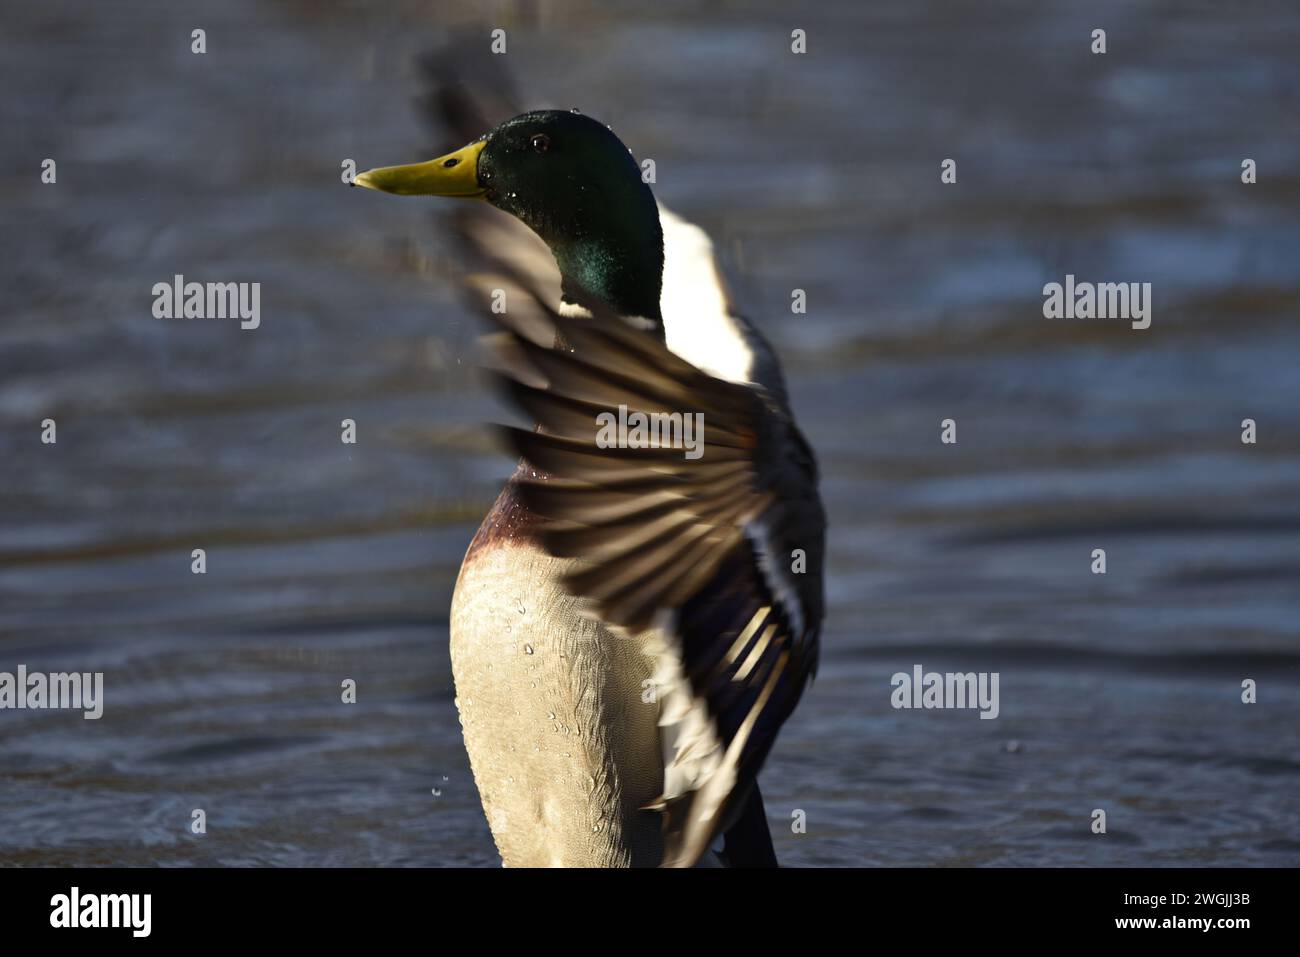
(329, 561)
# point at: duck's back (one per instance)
(564, 749)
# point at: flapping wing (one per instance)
(713, 557)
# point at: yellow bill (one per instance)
(455, 174)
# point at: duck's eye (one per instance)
(540, 142)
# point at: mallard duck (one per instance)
(631, 625)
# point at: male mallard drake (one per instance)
(631, 626)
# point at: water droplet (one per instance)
(550, 715)
(528, 649)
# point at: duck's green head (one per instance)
(574, 183)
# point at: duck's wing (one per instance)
(714, 561)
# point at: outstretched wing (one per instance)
(714, 560)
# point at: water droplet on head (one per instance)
(528, 649)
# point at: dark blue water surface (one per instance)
(820, 172)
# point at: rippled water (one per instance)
(820, 172)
